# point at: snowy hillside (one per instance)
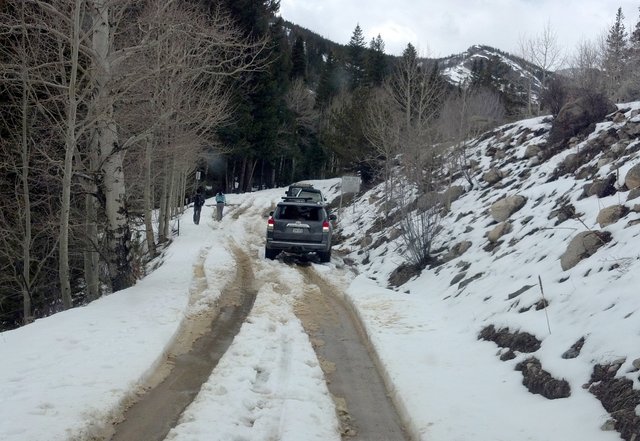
(518, 332)
(515, 71)
(539, 263)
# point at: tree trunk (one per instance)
(26, 240)
(242, 180)
(252, 168)
(147, 200)
(90, 255)
(293, 170)
(117, 230)
(70, 148)
(162, 227)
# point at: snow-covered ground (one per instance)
(63, 376)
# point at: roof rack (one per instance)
(296, 199)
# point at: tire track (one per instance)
(364, 408)
(159, 409)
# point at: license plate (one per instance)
(297, 230)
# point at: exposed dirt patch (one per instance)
(403, 274)
(515, 341)
(362, 403)
(539, 381)
(618, 397)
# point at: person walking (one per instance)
(198, 202)
(220, 203)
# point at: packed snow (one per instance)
(63, 377)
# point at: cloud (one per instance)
(455, 25)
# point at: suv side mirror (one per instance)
(333, 217)
(271, 213)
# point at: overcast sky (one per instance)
(444, 27)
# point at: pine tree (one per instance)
(327, 85)
(634, 46)
(410, 54)
(260, 96)
(634, 39)
(616, 53)
(356, 59)
(376, 62)
(298, 60)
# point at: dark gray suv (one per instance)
(299, 226)
(302, 190)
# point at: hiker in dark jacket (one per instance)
(198, 202)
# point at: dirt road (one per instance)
(363, 407)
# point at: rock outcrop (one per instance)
(503, 209)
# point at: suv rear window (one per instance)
(299, 212)
(313, 194)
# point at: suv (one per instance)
(301, 190)
(300, 226)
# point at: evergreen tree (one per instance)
(327, 85)
(410, 55)
(376, 62)
(298, 60)
(634, 39)
(259, 97)
(356, 59)
(616, 53)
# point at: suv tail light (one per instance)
(325, 227)
(270, 223)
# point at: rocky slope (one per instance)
(547, 243)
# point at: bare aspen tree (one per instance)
(417, 95)
(70, 149)
(544, 51)
(585, 64)
(382, 128)
(301, 103)
(401, 122)
(465, 116)
(75, 72)
(49, 78)
(191, 55)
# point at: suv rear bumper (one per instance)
(296, 247)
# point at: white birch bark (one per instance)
(106, 133)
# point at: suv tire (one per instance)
(270, 254)
(325, 256)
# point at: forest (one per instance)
(114, 112)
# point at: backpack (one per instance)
(220, 198)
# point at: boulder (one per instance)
(492, 176)
(579, 116)
(632, 179)
(501, 210)
(619, 117)
(633, 194)
(632, 129)
(611, 215)
(531, 151)
(601, 187)
(571, 162)
(500, 230)
(451, 194)
(585, 244)
(457, 250)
